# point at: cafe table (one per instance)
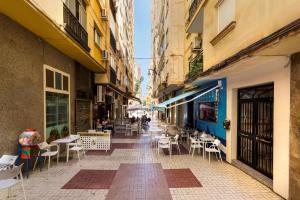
(66, 140)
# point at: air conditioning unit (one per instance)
(104, 14)
(104, 55)
(197, 45)
(100, 94)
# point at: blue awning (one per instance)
(199, 92)
(177, 98)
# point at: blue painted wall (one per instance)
(212, 127)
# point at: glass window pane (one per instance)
(49, 78)
(58, 81)
(57, 116)
(65, 83)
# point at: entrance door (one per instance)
(255, 128)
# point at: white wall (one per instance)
(276, 70)
(52, 8)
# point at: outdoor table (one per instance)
(66, 140)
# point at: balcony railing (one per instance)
(75, 29)
(195, 67)
(193, 8)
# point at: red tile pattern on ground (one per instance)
(175, 151)
(91, 179)
(181, 178)
(139, 181)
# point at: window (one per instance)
(226, 13)
(97, 36)
(57, 115)
(49, 78)
(55, 80)
(57, 104)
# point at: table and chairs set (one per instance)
(164, 137)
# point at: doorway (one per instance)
(255, 128)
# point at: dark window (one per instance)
(58, 81)
(65, 83)
(49, 78)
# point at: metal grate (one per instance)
(255, 128)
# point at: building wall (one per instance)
(22, 60)
(294, 192)
(94, 18)
(268, 70)
(252, 23)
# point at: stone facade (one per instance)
(22, 59)
(294, 192)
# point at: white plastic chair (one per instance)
(75, 147)
(11, 177)
(195, 144)
(44, 146)
(164, 143)
(128, 130)
(214, 148)
(134, 128)
(174, 141)
(7, 161)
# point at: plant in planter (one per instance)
(65, 132)
(54, 135)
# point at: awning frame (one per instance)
(219, 85)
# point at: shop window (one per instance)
(57, 115)
(56, 104)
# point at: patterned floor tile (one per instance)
(181, 178)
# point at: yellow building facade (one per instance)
(253, 45)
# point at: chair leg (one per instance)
(78, 155)
(49, 160)
(8, 193)
(35, 162)
(209, 157)
(22, 184)
(220, 157)
(193, 151)
(178, 148)
(68, 153)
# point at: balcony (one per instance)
(113, 76)
(195, 17)
(75, 29)
(113, 43)
(195, 68)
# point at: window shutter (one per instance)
(83, 17)
(72, 6)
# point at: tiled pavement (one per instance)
(219, 181)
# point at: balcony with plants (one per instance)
(195, 68)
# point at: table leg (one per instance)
(68, 153)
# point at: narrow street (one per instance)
(132, 170)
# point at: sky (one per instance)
(142, 17)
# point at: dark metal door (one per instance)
(255, 128)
